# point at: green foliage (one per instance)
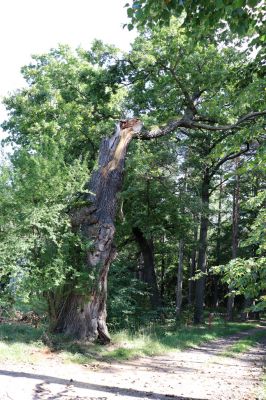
(128, 305)
(71, 98)
(168, 67)
(247, 277)
(257, 231)
(242, 16)
(37, 243)
(55, 125)
(217, 21)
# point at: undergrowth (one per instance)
(21, 342)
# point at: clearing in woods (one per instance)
(213, 371)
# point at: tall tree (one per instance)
(193, 92)
(235, 234)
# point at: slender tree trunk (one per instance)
(202, 255)
(248, 301)
(162, 275)
(179, 282)
(215, 300)
(84, 315)
(192, 268)
(179, 277)
(148, 275)
(235, 218)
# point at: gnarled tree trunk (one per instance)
(84, 316)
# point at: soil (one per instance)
(200, 373)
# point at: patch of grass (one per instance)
(18, 332)
(20, 342)
(162, 340)
(243, 345)
(23, 343)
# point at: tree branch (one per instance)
(217, 186)
(184, 122)
(189, 100)
(247, 117)
(158, 132)
(230, 156)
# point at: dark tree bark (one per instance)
(179, 277)
(162, 285)
(235, 218)
(148, 272)
(235, 215)
(215, 299)
(179, 282)
(84, 316)
(202, 255)
(192, 267)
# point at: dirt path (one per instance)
(195, 374)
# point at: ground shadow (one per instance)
(42, 389)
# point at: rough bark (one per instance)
(84, 316)
(202, 254)
(148, 272)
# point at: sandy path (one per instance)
(196, 374)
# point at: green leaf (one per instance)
(130, 12)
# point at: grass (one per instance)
(23, 343)
(19, 342)
(243, 345)
(161, 340)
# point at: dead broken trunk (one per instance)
(84, 316)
